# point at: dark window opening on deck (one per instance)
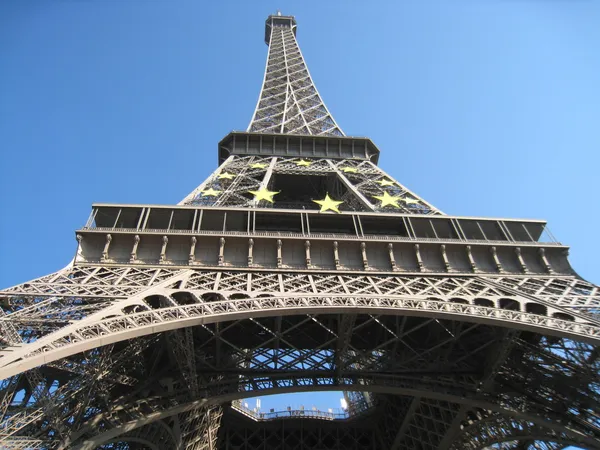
(299, 191)
(331, 224)
(388, 226)
(106, 217)
(159, 219)
(278, 222)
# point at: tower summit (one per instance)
(300, 265)
(278, 20)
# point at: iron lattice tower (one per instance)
(300, 265)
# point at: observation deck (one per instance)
(298, 240)
(277, 20)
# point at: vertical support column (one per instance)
(307, 254)
(391, 255)
(471, 259)
(279, 254)
(496, 260)
(106, 248)
(547, 266)
(521, 260)
(419, 259)
(250, 252)
(192, 255)
(336, 255)
(221, 251)
(363, 252)
(445, 257)
(136, 243)
(163, 250)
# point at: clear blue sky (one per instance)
(485, 108)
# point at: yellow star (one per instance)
(264, 194)
(210, 193)
(328, 203)
(349, 169)
(385, 182)
(410, 201)
(258, 165)
(226, 176)
(387, 199)
(303, 163)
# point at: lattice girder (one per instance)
(75, 338)
(226, 292)
(490, 429)
(389, 385)
(391, 338)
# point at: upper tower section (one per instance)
(278, 20)
(289, 102)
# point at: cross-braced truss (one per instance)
(289, 102)
(130, 352)
(464, 339)
(357, 183)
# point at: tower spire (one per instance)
(289, 102)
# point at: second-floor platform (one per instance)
(287, 239)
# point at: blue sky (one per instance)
(484, 108)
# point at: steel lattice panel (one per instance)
(487, 338)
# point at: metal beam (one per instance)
(408, 417)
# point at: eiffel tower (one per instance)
(299, 265)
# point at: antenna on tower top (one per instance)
(279, 12)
